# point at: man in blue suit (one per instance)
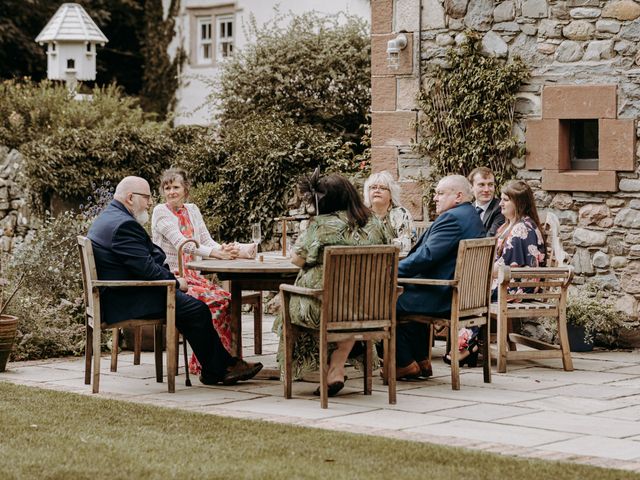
(124, 251)
(433, 256)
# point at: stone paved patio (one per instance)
(537, 410)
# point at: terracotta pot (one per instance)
(8, 328)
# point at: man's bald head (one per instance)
(134, 193)
(451, 191)
(131, 185)
(458, 184)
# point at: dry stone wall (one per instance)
(15, 216)
(564, 42)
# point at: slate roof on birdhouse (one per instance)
(71, 23)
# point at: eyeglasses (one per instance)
(378, 187)
(146, 196)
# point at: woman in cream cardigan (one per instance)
(175, 221)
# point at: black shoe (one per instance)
(207, 380)
(240, 371)
(332, 388)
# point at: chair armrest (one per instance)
(427, 281)
(180, 249)
(133, 283)
(308, 292)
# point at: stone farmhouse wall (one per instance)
(584, 61)
(15, 216)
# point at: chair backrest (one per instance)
(89, 274)
(555, 255)
(360, 287)
(474, 266)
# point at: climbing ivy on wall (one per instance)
(468, 113)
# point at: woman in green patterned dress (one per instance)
(342, 220)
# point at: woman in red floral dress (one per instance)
(175, 221)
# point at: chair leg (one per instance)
(288, 343)
(368, 367)
(324, 369)
(115, 340)
(431, 341)
(502, 333)
(486, 351)
(390, 364)
(563, 336)
(95, 338)
(512, 345)
(455, 356)
(137, 345)
(157, 350)
(88, 351)
(257, 326)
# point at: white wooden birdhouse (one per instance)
(71, 37)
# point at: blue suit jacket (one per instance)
(434, 256)
(124, 251)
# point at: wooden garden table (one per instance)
(244, 274)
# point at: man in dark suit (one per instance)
(483, 184)
(124, 251)
(433, 256)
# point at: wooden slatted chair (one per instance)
(358, 303)
(552, 283)
(94, 326)
(471, 285)
(549, 300)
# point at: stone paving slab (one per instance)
(574, 423)
(495, 433)
(600, 447)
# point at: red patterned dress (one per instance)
(216, 298)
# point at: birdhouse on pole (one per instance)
(71, 37)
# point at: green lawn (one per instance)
(53, 435)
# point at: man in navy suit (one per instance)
(124, 251)
(483, 185)
(433, 256)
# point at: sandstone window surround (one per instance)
(548, 140)
(211, 34)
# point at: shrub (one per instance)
(264, 155)
(315, 71)
(49, 304)
(30, 111)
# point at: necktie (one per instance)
(479, 210)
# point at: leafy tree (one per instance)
(316, 71)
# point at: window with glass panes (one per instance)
(204, 44)
(224, 36)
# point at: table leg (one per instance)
(236, 319)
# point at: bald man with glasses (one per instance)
(123, 250)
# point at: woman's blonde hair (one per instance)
(386, 179)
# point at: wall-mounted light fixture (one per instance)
(393, 50)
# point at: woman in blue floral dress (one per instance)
(520, 244)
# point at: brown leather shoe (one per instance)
(425, 368)
(410, 372)
(240, 371)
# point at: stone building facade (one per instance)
(584, 61)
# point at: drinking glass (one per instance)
(256, 234)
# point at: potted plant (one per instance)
(8, 323)
(590, 313)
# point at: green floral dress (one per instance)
(324, 230)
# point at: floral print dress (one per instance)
(324, 230)
(216, 298)
(519, 246)
(399, 224)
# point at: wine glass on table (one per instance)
(256, 236)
